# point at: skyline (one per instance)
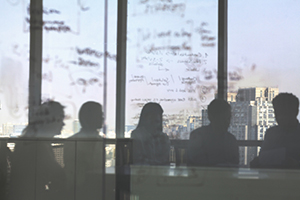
(177, 126)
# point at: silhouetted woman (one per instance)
(150, 145)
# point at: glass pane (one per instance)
(44, 169)
(84, 167)
(263, 49)
(36, 170)
(171, 60)
(14, 67)
(73, 58)
(212, 183)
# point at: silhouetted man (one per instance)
(84, 154)
(213, 145)
(91, 120)
(281, 146)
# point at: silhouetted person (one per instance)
(35, 171)
(281, 145)
(91, 120)
(150, 145)
(84, 154)
(213, 145)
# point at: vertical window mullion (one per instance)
(121, 68)
(35, 60)
(222, 49)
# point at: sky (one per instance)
(171, 54)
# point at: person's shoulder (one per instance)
(231, 136)
(201, 131)
(138, 133)
(134, 133)
(164, 135)
(75, 136)
(83, 135)
(273, 131)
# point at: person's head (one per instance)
(286, 107)
(151, 117)
(219, 114)
(91, 115)
(46, 120)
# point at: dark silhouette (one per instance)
(35, 171)
(84, 154)
(213, 145)
(150, 145)
(91, 120)
(281, 145)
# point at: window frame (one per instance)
(36, 42)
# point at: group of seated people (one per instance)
(214, 146)
(34, 167)
(35, 171)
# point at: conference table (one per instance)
(180, 183)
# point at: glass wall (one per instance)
(74, 58)
(263, 49)
(171, 60)
(14, 68)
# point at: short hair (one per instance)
(218, 107)
(91, 115)
(46, 113)
(286, 103)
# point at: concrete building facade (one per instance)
(252, 115)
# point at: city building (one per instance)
(252, 115)
(12, 130)
(176, 131)
(7, 129)
(205, 120)
(193, 122)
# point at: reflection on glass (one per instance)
(171, 60)
(84, 168)
(213, 145)
(73, 57)
(57, 169)
(262, 62)
(14, 67)
(35, 171)
(151, 146)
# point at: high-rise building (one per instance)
(252, 115)
(193, 122)
(12, 130)
(7, 129)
